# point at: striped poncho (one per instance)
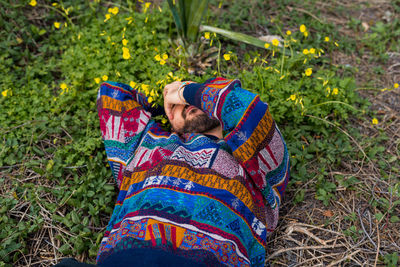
(191, 199)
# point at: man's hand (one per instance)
(171, 98)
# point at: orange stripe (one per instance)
(114, 104)
(120, 162)
(248, 148)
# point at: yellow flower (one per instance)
(132, 84)
(207, 35)
(292, 97)
(124, 42)
(113, 10)
(275, 42)
(57, 25)
(288, 33)
(108, 16)
(63, 86)
(33, 3)
(303, 28)
(335, 91)
(326, 39)
(329, 90)
(306, 52)
(165, 56)
(145, 88)
(396, 85)
(162, 62)
(97, 80)
(125, 53)
(266, 45)
(305, 34)
(157, 57)
(150, 99)
(312, 50)
(146, 6)
(164, 121)
(104, 77)
(227, 57)
(375, 121)
(336, 44)
(130, 20)
(308, 71)
(4, 93)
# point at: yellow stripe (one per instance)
(120, 162)
(248, 148)
(114, 104)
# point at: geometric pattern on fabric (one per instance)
(148, 233)
(200, 159)
(193, 195)
(210, 213)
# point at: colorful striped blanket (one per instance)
(194, 197)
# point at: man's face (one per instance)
(190, 119)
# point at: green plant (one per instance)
(392, 259)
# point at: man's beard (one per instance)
(198, 124)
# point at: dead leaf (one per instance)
(328, 213)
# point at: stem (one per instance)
(283, 57)
(219, 58)
(59, 11)
(371, 88)
(261, 81)
(334, 101)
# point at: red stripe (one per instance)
(153, 239)
(162, 232)
(264, 161)
(112, 128)
(120, 126)
(140, 160)
(173, 237)
(272, 155)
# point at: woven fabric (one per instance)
(194, 196)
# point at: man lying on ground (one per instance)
(205, 194)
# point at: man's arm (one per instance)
(252, 134)
(124, 114)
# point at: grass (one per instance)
(57, 194)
